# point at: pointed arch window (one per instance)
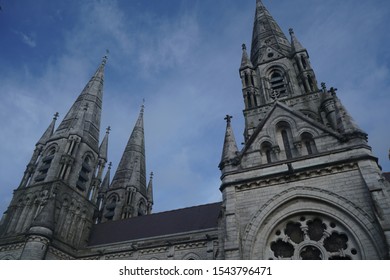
(308, 143)
(304, 64)
(46, 163)
(284, 135)
(84, 173)
(246, 80)
(110, 207)
(249, 99)
(286, 143)
(278, 84)
(311, 83)
(266, 149)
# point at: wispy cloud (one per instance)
(29, 40)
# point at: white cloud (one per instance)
(29, 40)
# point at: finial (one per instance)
(333, 90)
(109, 165)
(56, 115)
(108, 129)
(105, 57)
(143, 105)
(323, 85)
(151, 175)
(291, 31)
(243, 47)
(228, 118)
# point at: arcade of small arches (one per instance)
(286, 147)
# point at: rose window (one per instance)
(308, 237)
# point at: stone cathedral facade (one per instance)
(305, 185)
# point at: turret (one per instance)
(65, 160)
(150, 194)
(306, 74)
(37, 153)
(230, 150)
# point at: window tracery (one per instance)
(311, 237)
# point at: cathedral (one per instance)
(305, 184)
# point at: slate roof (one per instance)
(165, 223)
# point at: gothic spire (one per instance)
(245, 61)
(150, 189)
(131, 170)
(106, 181)
(90, 98)
(103, 149)
(230, 149)
(49, 131)
(266, 34)
(346, 124)
(296, 46)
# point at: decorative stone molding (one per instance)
(61, 255)
(11, 247)
(298, 176)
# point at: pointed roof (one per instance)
(103, 149)
(346, 124)
(245, 61)
(91, 96)
(266, 33)
(131, 170)
(230, 149)
(296, 46)
(106, 181)
(49, 131)
(150, 189)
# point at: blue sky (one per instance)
(182, 57)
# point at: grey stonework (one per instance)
(304, 186)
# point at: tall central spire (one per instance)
(91, 99)
(266, 33)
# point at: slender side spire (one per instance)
(230, 149)
(150, 188)
(245, 61)
(296, 46)
(103, 149)
(106, 181)
(49, 131)
(92, 95)
(150, 194)
(346, 124)
(133, 160)
(267, 34)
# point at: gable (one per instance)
(284, 119)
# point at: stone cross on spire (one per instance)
(56, 115)
(228, 118)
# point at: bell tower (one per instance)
(305, 185)
(55, 203)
